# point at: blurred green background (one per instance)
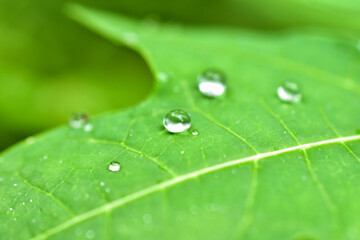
(50, 66)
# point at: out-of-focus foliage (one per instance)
(50, 67)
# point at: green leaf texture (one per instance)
(259, 168)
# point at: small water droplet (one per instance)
(114, 166)
(289, 92)
(30, 200)
(1, 179)
(78, 120)
(45, 157)
(15, 184)
(11, 209)
(182, 152)
(107, 190)
(30, 140)
(60, 161)
(195, 132)
(102, 184)
(90, 234)
(177, 121)
(147, 218)
(163, 77)
(212, 83)
(130, 38)
(88, 127)
(23, 203)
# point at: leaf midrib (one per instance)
(179, 179)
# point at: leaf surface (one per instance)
(259, 168)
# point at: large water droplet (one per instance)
(114, 166)
(78, 120)
(212, 83)
(289, 92)
(177, 121)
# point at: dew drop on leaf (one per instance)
(114, 166)
(212, 83)
(90, 234)
(195, 132)
(163, 77)
(177, 121)
(147, 218)
(78, 120)
(289, 92)
(30, 140)
(88, 127)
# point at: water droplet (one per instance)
(147, 218)
(195, 132)
(163, 77)
(182, 152)
(1, 179)
(78, 120)
(177, 121)
(90, 234)
(102, 184)
(107, 190)
(45, 157)
(289, 92)
(212, 83)
(88, 127)
(23, 203)
(130, 38)
(15, 184)
(11, 209)
(114, 166)
(30, 200)
(30, 140)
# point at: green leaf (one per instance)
(258, 169)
